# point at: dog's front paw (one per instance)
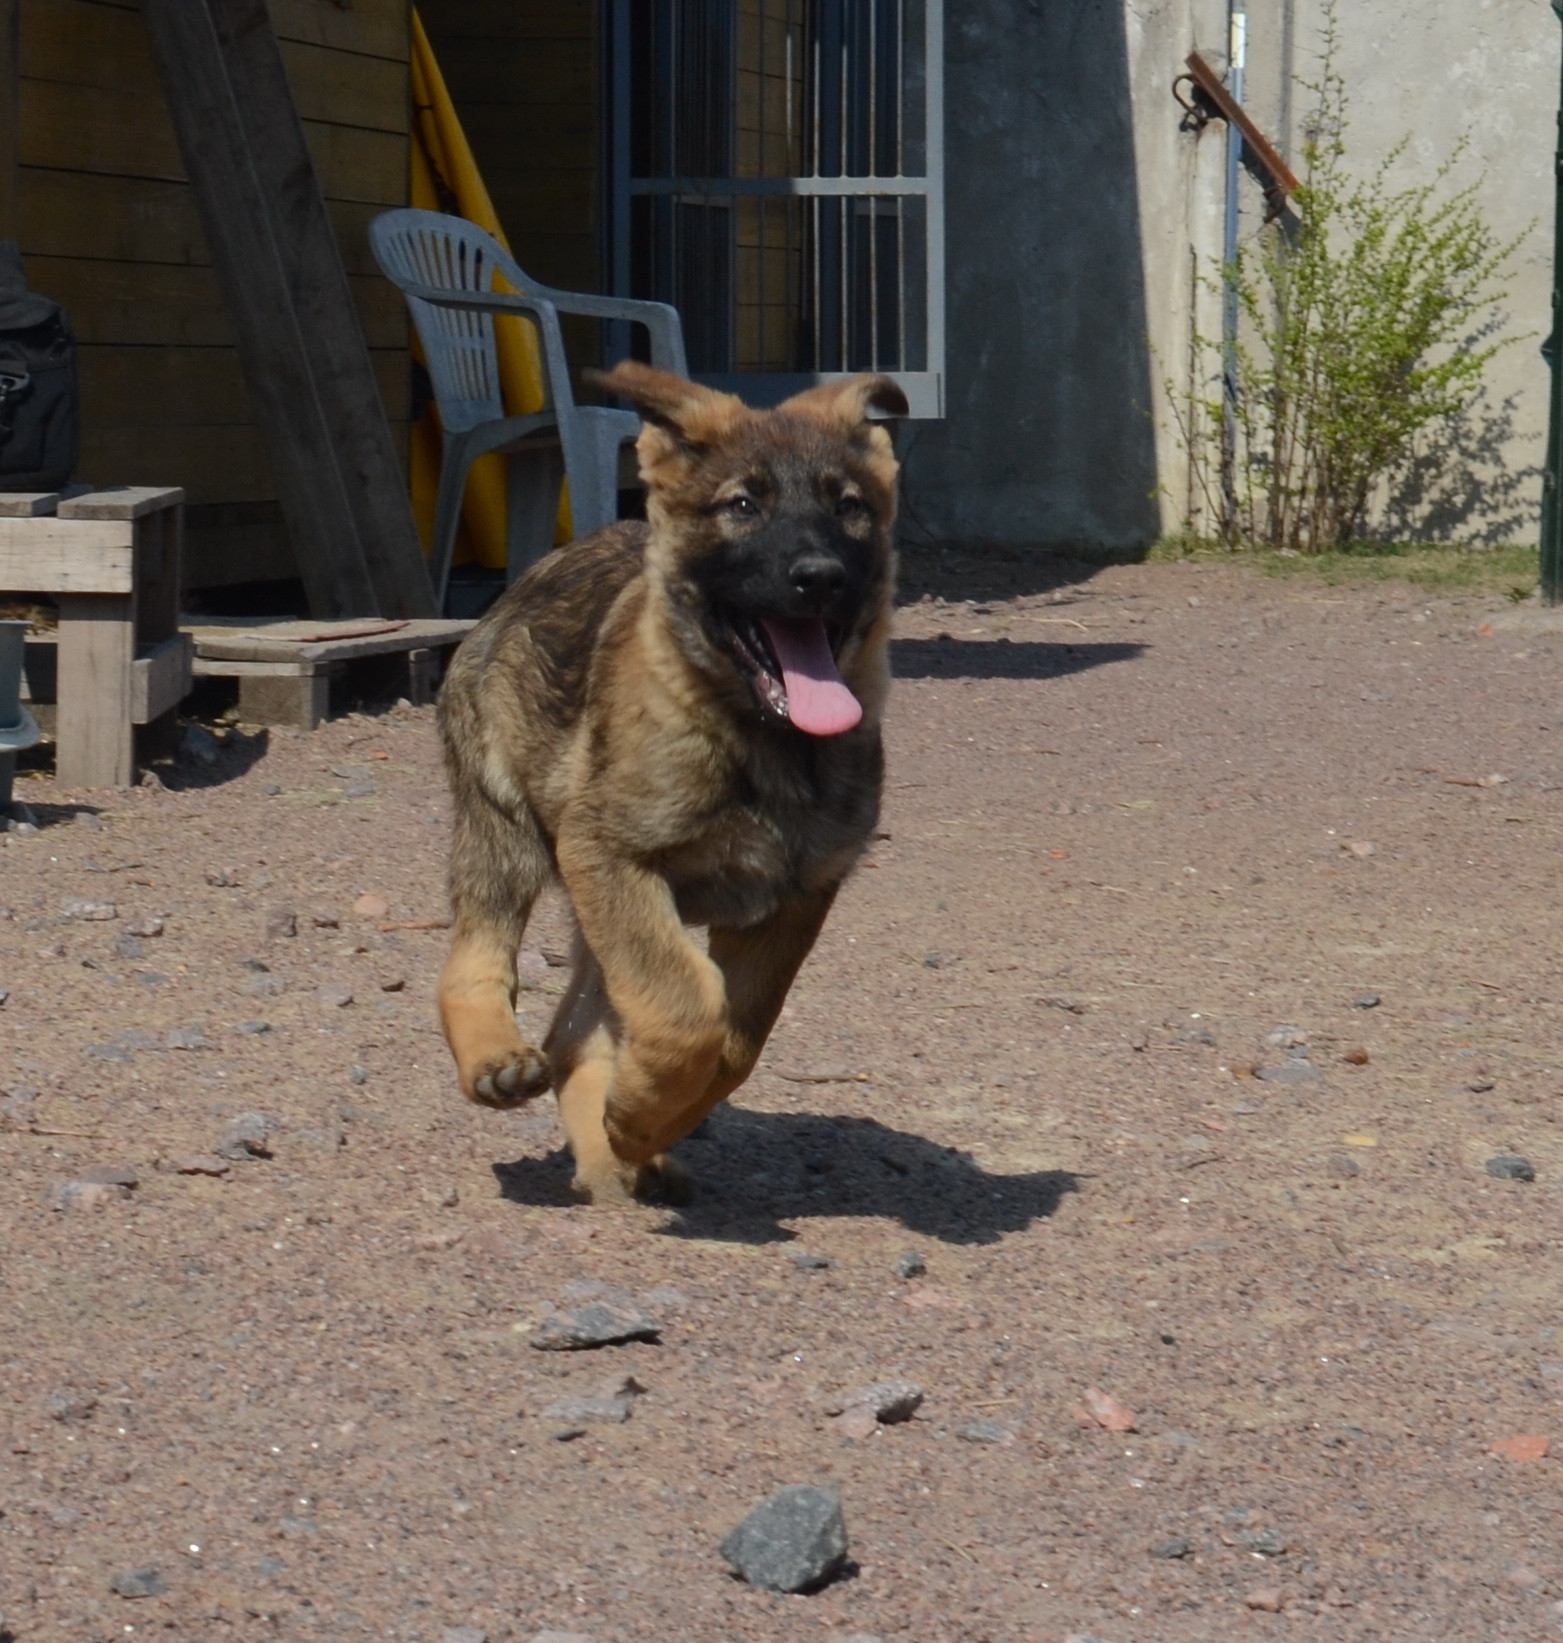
(509, 1079)
(665, 1181)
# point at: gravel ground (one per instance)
(1088, 1039)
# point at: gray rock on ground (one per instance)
(146, 1582)
(613, 1318)
(248, 1136)
(1510, 1166)
(792, 1541)
(890, 1401)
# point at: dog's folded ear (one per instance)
(692, 414)
(846, 404)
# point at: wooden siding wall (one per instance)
(524, 77)
(109, 228)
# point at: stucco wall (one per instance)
(1079, 216)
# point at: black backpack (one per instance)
(40, 423)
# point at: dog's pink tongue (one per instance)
(817, 700)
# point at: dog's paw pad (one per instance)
(508, 1083)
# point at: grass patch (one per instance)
(1439, 568)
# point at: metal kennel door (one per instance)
(777, 172)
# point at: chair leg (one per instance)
(447, 517)
(594, 497)
(532, 505)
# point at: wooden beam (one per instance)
(341, 486)
(10, 116)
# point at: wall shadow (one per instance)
(1047, 437)
(1000, 658)
(752, 1169)
(1458, 486)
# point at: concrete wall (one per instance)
(1080, 222)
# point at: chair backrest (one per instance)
(427, 248)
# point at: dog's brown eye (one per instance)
(848, 506)
(744, 507)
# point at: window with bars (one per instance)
(777, 176)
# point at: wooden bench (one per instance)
(111, 560)
(285, 668)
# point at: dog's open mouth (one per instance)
(791, 663)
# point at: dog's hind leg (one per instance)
(499, 864)
(582, 1047)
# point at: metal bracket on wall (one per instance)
(1208, 99)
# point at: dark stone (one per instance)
(1366, 1001)
(1268, 1543)
(139, 1583)
(253, 1027)
(792, 1541)
(1510, 1166)
(1175, 1546)
(613, 1319)
(910, 1265)
(805, 1262)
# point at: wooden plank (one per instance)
(213, 464)
(509, 71)
(160, 678)
(256, 645)
(221, 667)
(340, 481)
(78, 42)
(95, 744)
(162, 304)
(121, 502)
(159, 574)
(10, 119)
(504, 19)
(344, 89)
(86, 128)
(128, 133)
(143, 219)
(114, 219)
(146, 387)
(27, 504)
(377, 28)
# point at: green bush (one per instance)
(1367, 323)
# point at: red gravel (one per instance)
(1117, 855)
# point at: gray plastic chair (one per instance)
(445, 267)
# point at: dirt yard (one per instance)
(1209, 954)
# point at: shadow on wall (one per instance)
(1459, 487)
(1048, 437)
(754, 1169)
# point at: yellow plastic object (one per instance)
(445, 176)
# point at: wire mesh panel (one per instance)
(778, 177)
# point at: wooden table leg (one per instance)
(93, 736)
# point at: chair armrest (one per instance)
(556, 387)
(660, 319)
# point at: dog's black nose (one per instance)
(817, 577)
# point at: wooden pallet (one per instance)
(285, 668)
(111, 560)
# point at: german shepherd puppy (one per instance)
(681, 718)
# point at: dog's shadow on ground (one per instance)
(754, 1169)
(1000, 658)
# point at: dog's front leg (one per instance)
(670, 1000)
(759, 965)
